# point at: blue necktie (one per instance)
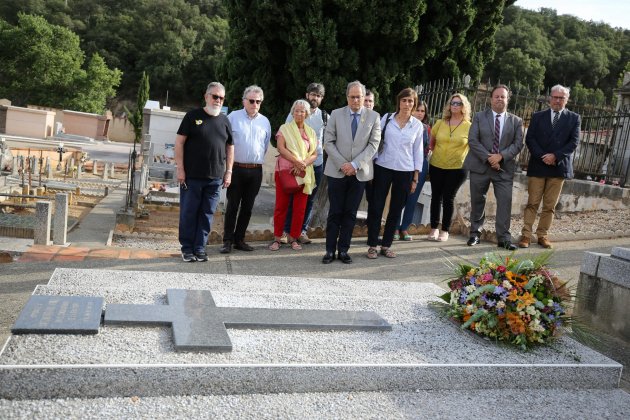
(354, 125)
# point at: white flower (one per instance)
(470, 288)
(531, 310)
(507, 285)
(550, 303)
(471, 308)
(534, 325)
(500, 304)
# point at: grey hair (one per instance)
(353, 84)
(304, 103)
(255, 89)
(213, 85)
(559, 88)
(316, 88)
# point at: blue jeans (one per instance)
(308, 213)
(197, 204)
(412, 200)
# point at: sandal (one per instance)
(372, 253)
(433, 236)
(443, 237)
(396, 237)
(295, 245)
(407, 237)
(388, 253)
(275, 245)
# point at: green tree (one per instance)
(42, 64)
(136, 117)
(522, 72)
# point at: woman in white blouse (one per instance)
(397, 164)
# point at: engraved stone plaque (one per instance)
(60, 315)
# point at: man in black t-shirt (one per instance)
(204, 155)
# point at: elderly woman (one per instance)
(449, 143)
(297, 143)
(397, 164)
(401, 233)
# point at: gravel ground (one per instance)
(593, 221)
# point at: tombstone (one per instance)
(41, 232)
(61, 219)
(60, 315)
(106, 171)
(95, 167)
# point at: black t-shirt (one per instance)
(206, 139)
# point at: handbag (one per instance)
(286, 179)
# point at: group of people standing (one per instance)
(355, 147)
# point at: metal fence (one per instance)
(604, 149)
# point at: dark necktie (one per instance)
(354, 125)
(497, 134)
(556, 115)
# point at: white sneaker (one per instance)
(433, 235)
(443, 237)
(304, 239)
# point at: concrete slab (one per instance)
(423, 351)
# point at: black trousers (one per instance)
(400, 182)
(241, 195)
(444, 186)
(344, 195)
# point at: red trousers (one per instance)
(280, 211)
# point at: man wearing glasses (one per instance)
(204, 154)
(251, 132)
(351, 140)
(552, 137)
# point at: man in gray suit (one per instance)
(495, 139)
(351, 141)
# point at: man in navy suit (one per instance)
(552, 137)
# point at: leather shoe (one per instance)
(328, 258)
(474, 240)
(242, 246)
(544, 242)
(344, 257)
(507, 245)
(523, 242)
(226, 248)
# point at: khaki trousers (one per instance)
(548, 191)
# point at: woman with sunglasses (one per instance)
(449, 143)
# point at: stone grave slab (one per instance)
(59, 315)
(421, 352)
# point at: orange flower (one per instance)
(519, 280)
(525, 300)
(513, 296)
(516, 323)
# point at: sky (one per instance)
(616, 13)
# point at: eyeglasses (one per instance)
(559, 98)
(354, 98)
(254, 101)
(457, 103)
(217, 97)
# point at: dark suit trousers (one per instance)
(400, 182)
(344, 196)
(241, 195)
(502, 184)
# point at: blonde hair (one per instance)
(466, 109)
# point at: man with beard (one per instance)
(204, 155)
(317, 121)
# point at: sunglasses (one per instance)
(255, 101)
(217, 97)
(456, 103)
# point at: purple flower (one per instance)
(498, 290)
(463, 297)
(473, 279)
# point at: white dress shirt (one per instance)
(403, 149)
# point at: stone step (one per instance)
(423, 350)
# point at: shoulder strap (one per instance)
(324, 117)
(388, 118)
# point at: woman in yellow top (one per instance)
(449, 143)
(297, 143)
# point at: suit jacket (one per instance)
(481, 139)
(561, 141)
(341, 148)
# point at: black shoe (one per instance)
(474, 240)
(201, 256)
(344, 258)
(328, 258)
(507, 245)
(226, 248)
(242, 246)
(188, 257)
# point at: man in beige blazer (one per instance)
(351, 141)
